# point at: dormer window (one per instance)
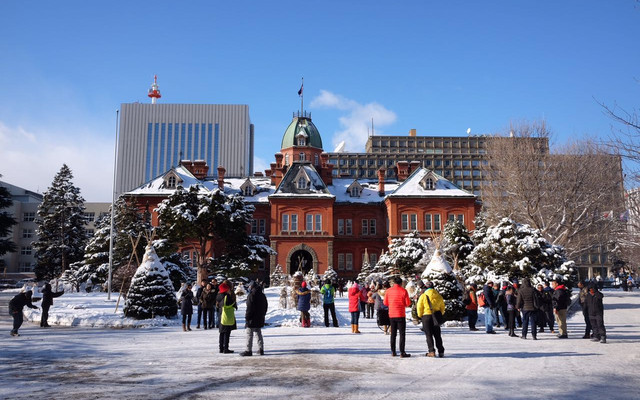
(429, 184)
(248, 188)
(301, 141)
(171, 182)
(316, 159)
(355, 189)
(302, 183)
(429, 181)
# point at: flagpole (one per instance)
(302, 98)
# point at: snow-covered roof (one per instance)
(339, 189)
(443, 188)
(158, 185)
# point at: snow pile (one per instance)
(437, 264)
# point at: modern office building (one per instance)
(457, 158)
(155, 137)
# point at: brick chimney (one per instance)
(381, 173)
(279, 157)
(221, 172)
(198, 168)
(403, 170)
(414, 165)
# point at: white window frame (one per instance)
(348, 226)
(428, 222)
(309, 222)
(365, 226)
(413, 219)
(340, 261)
(437, 223)
(348, 260)
(262, 226)
(285, 222)
(318, 223)
(341, 227)
(404, 222)
(372, 227)
(294, 222)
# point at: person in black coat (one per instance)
(256, 310)
(527, 303)
(186, 307)
(16, 305)
(595, 309)
(47, 302)
(203, 284)
(489, 306)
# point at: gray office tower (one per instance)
(155, 137)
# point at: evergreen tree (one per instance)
(179, 270)
(209, 219)
(510, 250)
(366, 270)
(444, 281)
(404, 254)
(277, 277)
(151, 292)
(6, 222)
(95, 266)
(330, 275)
(61, 227)
(456, 243)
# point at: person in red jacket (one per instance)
(354, 306)
(397, 299)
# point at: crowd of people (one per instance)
(534, 309)
(530, 309)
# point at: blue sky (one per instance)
(438, 67)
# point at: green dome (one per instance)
(307, 128)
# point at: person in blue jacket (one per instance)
(304, 304)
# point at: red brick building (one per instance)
(315, 220)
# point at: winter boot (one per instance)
(188, 328)
(604, 339)
(184, 327)
(246, 354)
(198, 326)
(261, 352)
(431, 354)
(355, 330)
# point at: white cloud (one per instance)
(31, 159)
(356, 121)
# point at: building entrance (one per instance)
(301, 260)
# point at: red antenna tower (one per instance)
(154, 91)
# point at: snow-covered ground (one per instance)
(79, 358)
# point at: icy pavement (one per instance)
(162, 362)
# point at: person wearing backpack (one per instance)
(328, 295)
(561, 300)
(471, 304)
(527, 303)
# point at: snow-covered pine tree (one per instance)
(456, 243)
(95, 266)
(366, 270)
(330, 275)
(6, 222)
(151, 292)
(277, 277)
(179, 270)
(312, 278)
(61, 227)
(510, 250)
(404, 254)
(439, 272)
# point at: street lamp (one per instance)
(113, 208)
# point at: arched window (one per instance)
(302, 157)
(286, 159)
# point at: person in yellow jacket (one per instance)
(429, 302)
